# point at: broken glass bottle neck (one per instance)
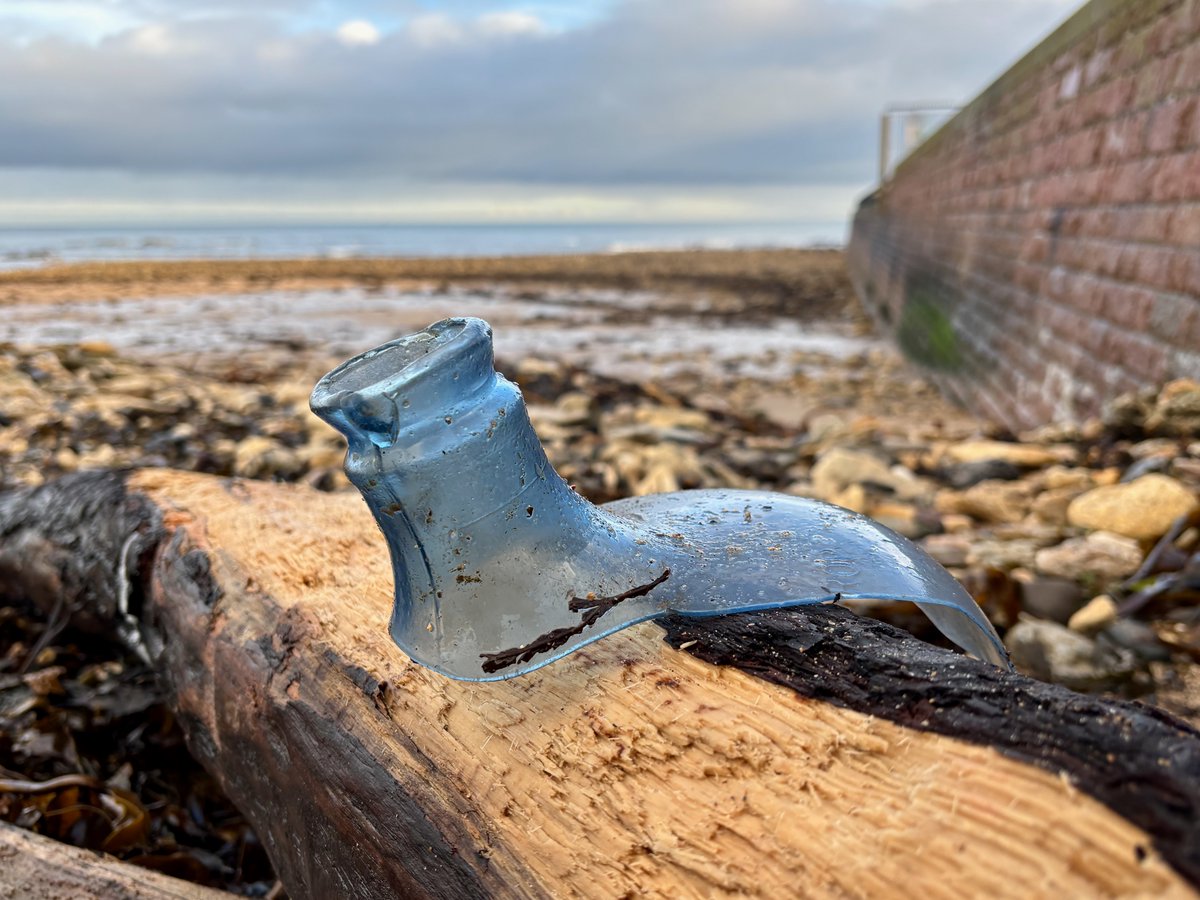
(487, 541)
(439, 442)
(501, 568)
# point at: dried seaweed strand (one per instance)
(592, 608)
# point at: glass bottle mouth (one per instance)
(421, 373)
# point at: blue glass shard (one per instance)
(489, 545)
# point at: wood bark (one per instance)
(775, 754)
(33, 867)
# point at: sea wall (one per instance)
(1040, 253)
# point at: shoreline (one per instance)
(802, 283)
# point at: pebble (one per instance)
(262, 457)
(102, 457)
(999, 553)
(963, 475)
(1058, 477)
(1096, 614)
(839, 468)
(1100, 558)
(1143, 509)
(1176, 411)
(1052, 652)
(904, 518)
(989, 501)
(1055, 599)
(956, 523)
(66, 459)
(1027, 456)
(1135, 637)
(1051, 505)
(951, 550)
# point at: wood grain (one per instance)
(33, 867)
(628, 769)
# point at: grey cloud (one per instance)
(749, 92)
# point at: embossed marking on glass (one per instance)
(501, 568)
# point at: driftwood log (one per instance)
(34, 867)
(774, 754)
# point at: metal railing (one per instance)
(917, 121)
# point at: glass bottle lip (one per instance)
(422, 373)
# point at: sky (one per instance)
(320, 111)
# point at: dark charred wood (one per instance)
(77, 545)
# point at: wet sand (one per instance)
(736, 282)
(752, 313)
(617, 333)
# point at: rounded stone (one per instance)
(1142, 509)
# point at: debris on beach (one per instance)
(91, 755)
(1037, 526)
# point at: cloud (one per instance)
(513, 22)
(358, 33)
(745, 94)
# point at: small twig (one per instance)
(26, 786)
(579, 604)
(1160, 585)
(1156, 553)
(59, 616)
(591, 606)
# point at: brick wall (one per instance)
(1040, 254)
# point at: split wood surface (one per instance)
(33, 867)
(784, 754)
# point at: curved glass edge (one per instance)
(592, 637)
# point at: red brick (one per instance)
(1146, 359)
(1129, 55)
(1184, 230)
(1171, 125)
(1179, 25)
(1070, 254)
(1123, 136)
(1149, 87)
(1172, 178)
(1097, 66)
(1191, 284)
(1129, 261)
(1146, 224)
(1187, 73)
(1153, 266)
(1035, 248)
(1191, 176)
(1175, 319)
(1105, 101)
(1132, 181)
(1128, 306)
(1161, 36)
(1108, 222)
(1086, 147)
(1027, 277)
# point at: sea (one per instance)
(25, 247)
